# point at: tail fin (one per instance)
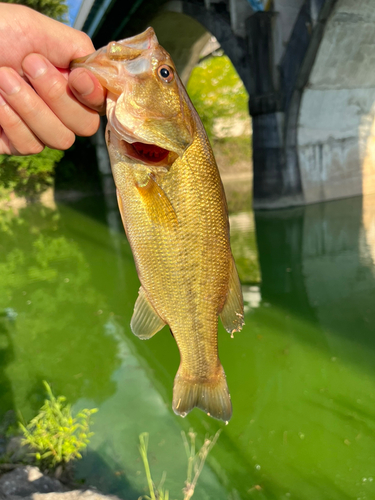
(211, 396)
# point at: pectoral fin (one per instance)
(159, 208)
(232, 315)
(145, 321)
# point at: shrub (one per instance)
(55, 434)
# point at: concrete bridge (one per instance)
(309, 68)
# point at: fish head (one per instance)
(149, 116)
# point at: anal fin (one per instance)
(232, 315)
(145, 321)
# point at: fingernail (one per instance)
(2, 101)
(34, 66)
(82, 83)
(8, 82)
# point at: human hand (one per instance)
(40, 102)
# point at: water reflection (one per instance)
(46, 287)
(6, 357)
(313, 264)
(300, 374)
(244, 246)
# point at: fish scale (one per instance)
(175, 217)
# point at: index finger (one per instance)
(59, 43)
(87, 89)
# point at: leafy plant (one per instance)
(55, 434)
(196, 461)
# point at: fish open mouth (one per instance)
(147, 153)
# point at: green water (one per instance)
(301, 374)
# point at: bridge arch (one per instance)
(282, 60)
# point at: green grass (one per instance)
(196, 461)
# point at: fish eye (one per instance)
(166, 73)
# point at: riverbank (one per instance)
(28, 483)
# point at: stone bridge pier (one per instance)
(309, 68)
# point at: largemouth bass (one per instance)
(174, 211)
